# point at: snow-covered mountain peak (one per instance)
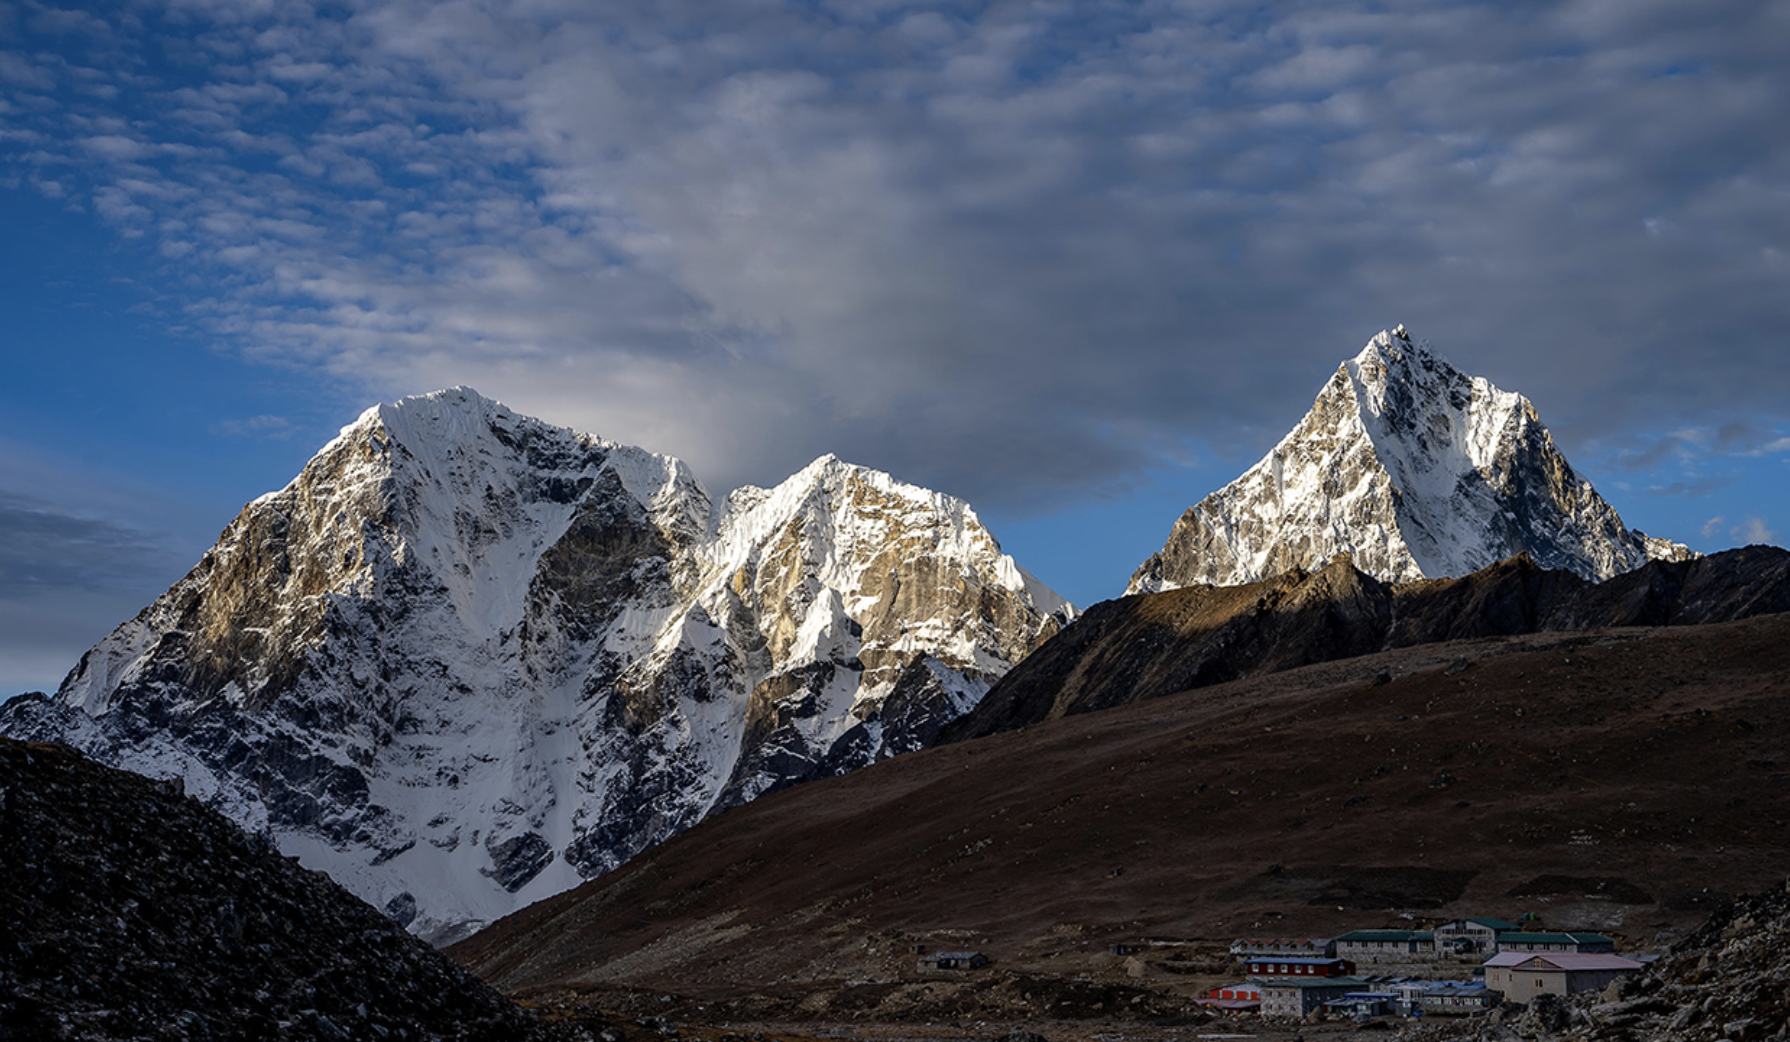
(467, 658)
(838, 526)
(1416, 469)
(1405, 386)
(844, 498)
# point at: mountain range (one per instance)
(1624, 781)
(466, 660)
(1147, 646)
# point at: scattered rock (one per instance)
(131, 911)
(1725, 981)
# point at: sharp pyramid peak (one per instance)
(1414, 467)
(1396, 341)
(1393, 356)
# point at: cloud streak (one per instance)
(44, 547)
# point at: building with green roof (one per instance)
(1367, 945)
(1472, 935)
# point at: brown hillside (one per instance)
(1149, 645)
(1616, 780)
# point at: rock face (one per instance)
(132, 912)
(1414, 469)
(467, 659)
(1151, 645)
(1725, 981)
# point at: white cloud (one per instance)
(1712, 526)
(1753, 531)
(1013, 254)
(20, 70)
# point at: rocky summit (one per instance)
(467, 659)
(132, 912)
(1416, 470)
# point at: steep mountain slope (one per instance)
(467, 659)
(1149, 645)
(1617, 780)
(1417, 471)
(131, 912)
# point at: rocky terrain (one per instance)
(1418, 471)
(467, 659)
(132, 912)
(1145, 646)
(1725, 981)
(1620, 780)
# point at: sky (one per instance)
(1077, 263)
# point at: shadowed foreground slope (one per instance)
(1617, 780)
(128, 911)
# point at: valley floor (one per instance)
(1056, 1031)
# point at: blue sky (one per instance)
(1078, 263)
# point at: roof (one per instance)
(1438, 987)
(1297, 960)
(1234, 985)
(955, 955)
(1564, 961)
(1385, 935)
(1496, 924)
(1346, 983)
(1518, 937)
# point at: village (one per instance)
(1461, 967)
